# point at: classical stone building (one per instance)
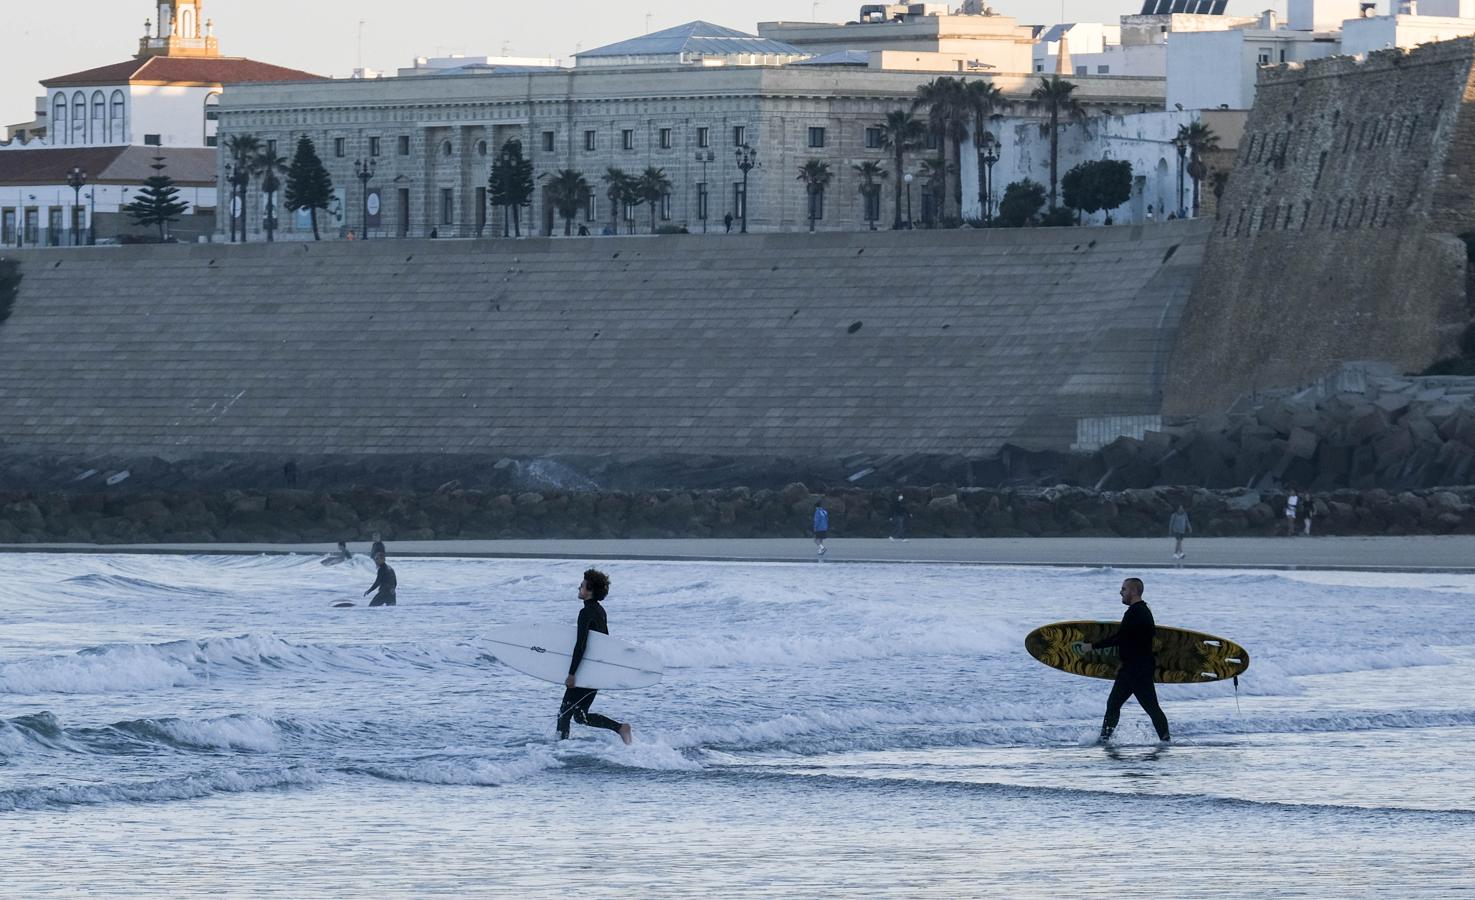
(431, 139)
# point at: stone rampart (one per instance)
(1338, 235)
(802, 346)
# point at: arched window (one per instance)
(445, 148)
(212, 117)
(117, 132)
(481, 148)
(97, 127)
(187, 23)
(59, 119)
(79, 118)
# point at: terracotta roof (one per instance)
(189, 166)
(182, 69)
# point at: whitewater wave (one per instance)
(184, 787)
(808, 649)
(44, 732)
(461, 770)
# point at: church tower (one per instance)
(182, 30)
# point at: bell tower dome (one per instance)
(182, 30)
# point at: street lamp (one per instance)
(747, 159)
(990, 153)
(363, 170)
(704, 157)
(908, 179)
(76, 179)
(1182, 144)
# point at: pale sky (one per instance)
(44, 40)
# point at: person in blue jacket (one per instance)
(821, 526)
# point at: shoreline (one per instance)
(1427, 553)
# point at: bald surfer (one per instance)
(385, 583)
(577, 700)
(1134, 647)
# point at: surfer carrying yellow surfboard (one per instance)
(1134, 648)
(577, 700)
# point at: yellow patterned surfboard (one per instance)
(1183, 657)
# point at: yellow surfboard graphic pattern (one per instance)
(1183, 656)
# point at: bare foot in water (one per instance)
(625, 734)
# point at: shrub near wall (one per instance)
(289, 516)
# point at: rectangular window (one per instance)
(404, 145)
(1039, 67)
(1103, 70)
(704, 136)
(817, 205)
(873, 138)
(404, 212)
(739, 135)
(702, 201)
(1282, 55)
(739, 200)
(340, 146)
(447, 206)
(212, 141)
(590, 212)
(665, 139)
(53, 225)
(627, 139)
(547, 142)
(373, 146)
(931, 142)
(629, 212)
(211, 113)
(271, 146)
(1081, 70)
(1263, 57)
(666, 207)
(152, 140)
(481, 210)
(589, 141)
(816, 138)
(873, 203)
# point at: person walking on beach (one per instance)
(385, 583)
(1134, 648)
(821, 526)
(1179, 527)
(1293, 503)
(577, 700)
(899, 518)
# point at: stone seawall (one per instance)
(293, 516)
(1338, 235)
(798, 346)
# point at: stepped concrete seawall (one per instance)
(802, 346)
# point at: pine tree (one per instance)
(309, 186)
(158, 203)
(511, 182)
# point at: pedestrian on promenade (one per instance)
(1293, 504)
(899, 518)
(1308, 509)
(821, 527)
(727, 221)
(1179, 527)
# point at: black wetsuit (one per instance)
(386, 583)
(1134, 648)
(577, 700)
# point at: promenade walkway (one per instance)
(1454, 553)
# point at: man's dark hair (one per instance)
(598, 583)
(1136, 584)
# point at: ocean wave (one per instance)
(234, 732)
(462, 770)
(44, 732)
(142, 667)
(807, 649)
(184, 787)
(144, 585)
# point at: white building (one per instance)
(108, 123)
(1219, 70)
(1136, 47)
(992, 42)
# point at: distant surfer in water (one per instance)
(385, 583)
(1134, 646)
(377, 548)
(341, 555)
(577, 700)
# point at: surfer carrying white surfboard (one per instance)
(577, 700)
(1134, 648)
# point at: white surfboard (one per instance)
(545, 651)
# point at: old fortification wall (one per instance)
(1338, 235)
(798, 346)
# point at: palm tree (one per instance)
(900, 133)
(1199, 139)
(870, 173)
(1054, 96)
(935, 171)
(567, 190)
(650, 187)
(242, 149)
(816, 176)
(271, 167)
(984, 101)
(947, 115)
(618, 187)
